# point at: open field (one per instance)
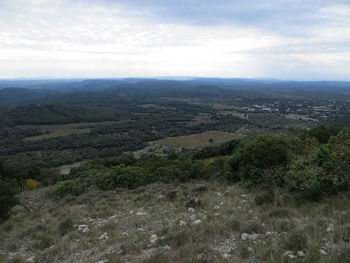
(59, 133)
(57, 127)
(199, 140)
(60, 130)
(65, 169)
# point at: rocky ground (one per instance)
(192, 222)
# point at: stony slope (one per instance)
(192, 222)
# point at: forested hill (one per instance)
(55, 114)
(110, 91)
(19, 95)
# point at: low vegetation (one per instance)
(154, 223)
(303, 165)
(246, 200)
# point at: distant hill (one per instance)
(110, 91)
(20, 95)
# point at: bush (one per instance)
(65, 226)
(325, 171)
(129, 176)
(254, 227)
(104, 179)
(264, 197)
(46, 240)
(74, 187)
(295, 241)
(31, 184)
(7, 197)
(255, 160)
(167, 174)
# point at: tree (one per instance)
(7, 197)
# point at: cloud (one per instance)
(286, 39)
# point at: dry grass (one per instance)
(199, 140)
(210, 233)
(59, 133)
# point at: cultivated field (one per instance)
(60, 130)
(199, 140)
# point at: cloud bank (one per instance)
(225, 38)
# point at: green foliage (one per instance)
(73, 187)
(296, 241)
(104, 179)
(7, 197)
(322, 133)
(308, 171)
(129, 176)
(255, 160)
(322, 172)
(226, 148)
(65, 226)
(45, 240)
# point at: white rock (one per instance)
(330, 228)
(291, 256)
(226, 256)
(301, 254)
(182, 223)
(250, 249)
(216, 207)
(287, 253)
(114, 217)
(153, 239)
(140, 213)
(104, 236)
(103, 261)
(269, 233)
(323, 252)
(191, 210)
(197, 222)
(244, 236)
(254, 237)
(30, 259)
(216, 214)
(167, 247)
(83, 228)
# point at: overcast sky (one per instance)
(286, 39)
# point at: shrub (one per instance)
(65, 226)
(46, 240)
(74, 187)
(295, 241)
(264, 197)
(167, 174)
(129, 176)
(253, 227)
(281, 212)
(7, 197)
(325, 171)
(31, 184)
(255, 160)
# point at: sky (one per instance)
(284, 39)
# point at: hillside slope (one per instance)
(191, 222)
